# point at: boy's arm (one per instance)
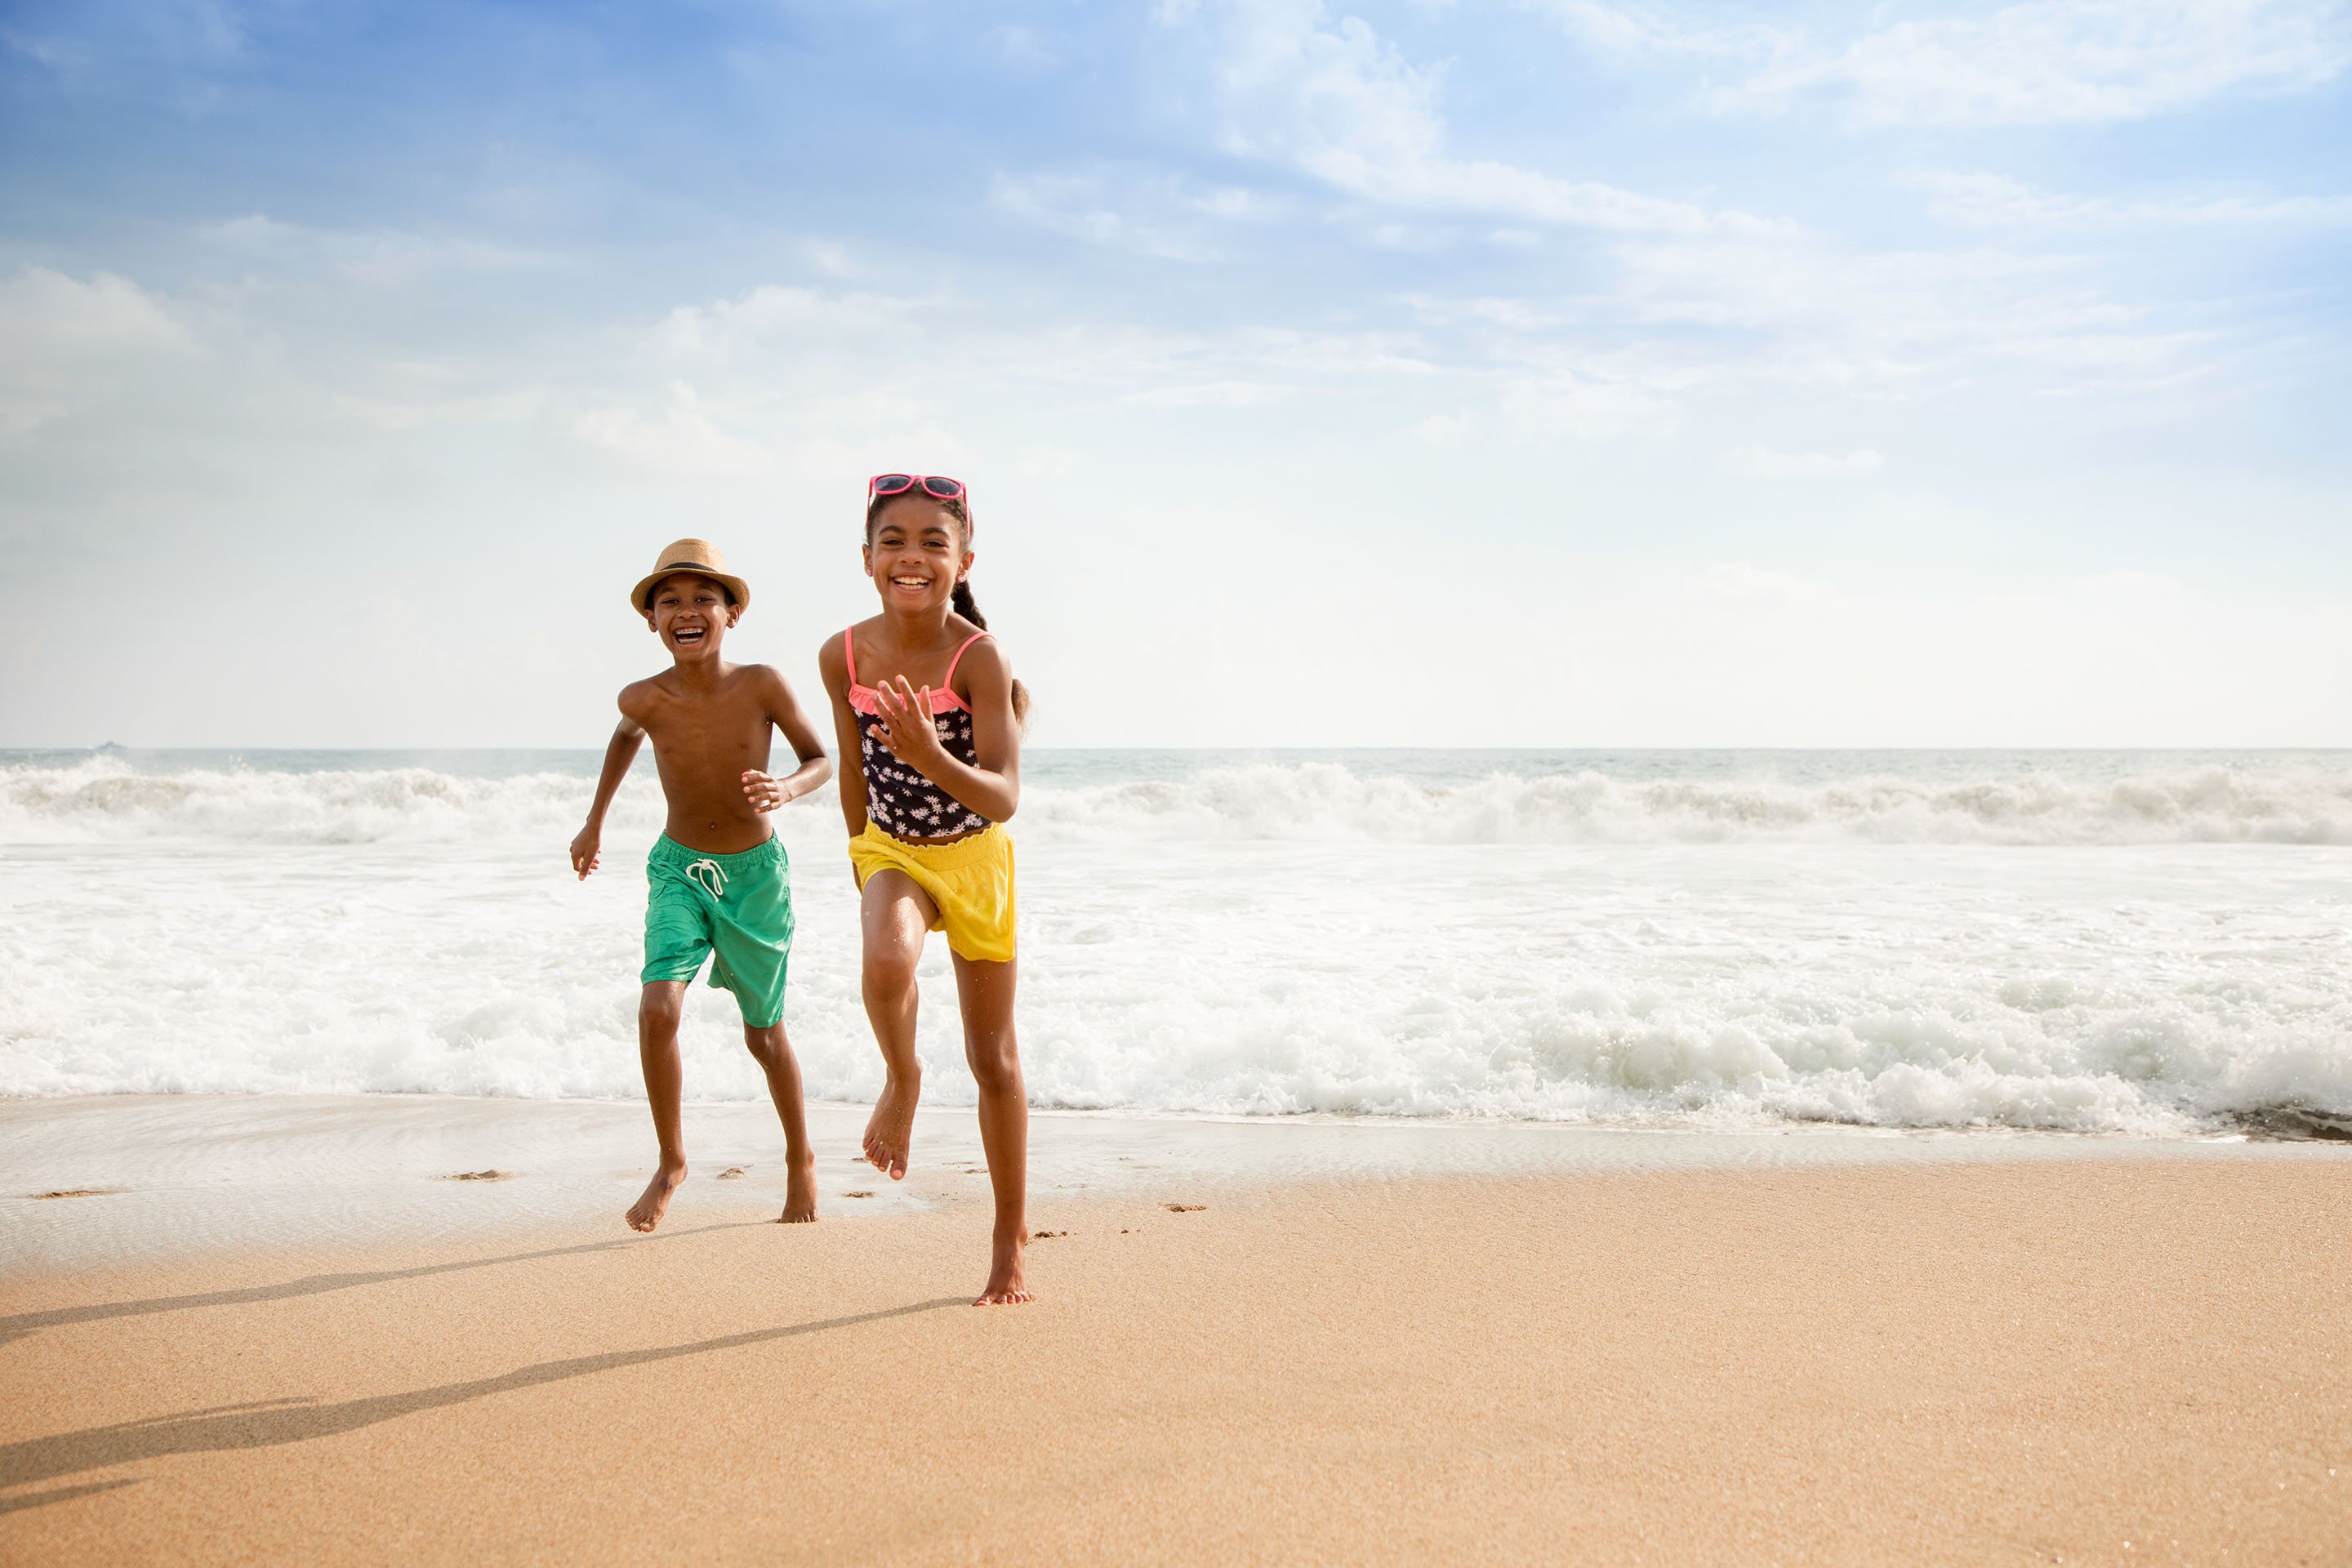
(766, 792)
(619, 753)
(990, 784)
(832, 668)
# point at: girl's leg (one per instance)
(773, 1052)
(657, 1014)
(985, 992)
(896, 913)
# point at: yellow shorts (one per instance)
(970, 881)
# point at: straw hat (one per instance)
(690, 555)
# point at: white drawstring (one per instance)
(716, 885)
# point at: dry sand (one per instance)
(1987, 1361)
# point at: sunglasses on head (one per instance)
(939, 487)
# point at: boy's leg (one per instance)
(657, 1015)
(985, 993)
(773, 1052)
(896, 913)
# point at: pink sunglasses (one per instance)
(939, 487)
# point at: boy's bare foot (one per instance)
(647, 1211)
(891, 1133)
(1006, 1284)
(800, 1194)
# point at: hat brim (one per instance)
(734, 585)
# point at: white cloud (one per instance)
(682, 440)
(1807, 313)
(2053, 61)
(1022, 48)
(1761, 462)
(1151, 214)
(1210, 395)
(1623, 30)
(381, 256)
(1996, 201)
(69, 341)
(773, 313)
(1330, 98)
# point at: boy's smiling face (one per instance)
(691, 614)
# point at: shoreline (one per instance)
(2105, 1360)
(151, 1178)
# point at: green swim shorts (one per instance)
(736, 907)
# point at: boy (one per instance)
(718, 882)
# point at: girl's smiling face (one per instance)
(915, 554)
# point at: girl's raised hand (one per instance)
(907, 727)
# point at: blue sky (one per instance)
(1559, 373)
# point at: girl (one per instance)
(923, 696)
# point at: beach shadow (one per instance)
(21, 1324)
(62, 1494)
(273, 1422)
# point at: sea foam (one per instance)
(2116, 948)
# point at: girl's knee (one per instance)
(891, 970)
(995, 1064)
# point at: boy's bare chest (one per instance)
(715, 732)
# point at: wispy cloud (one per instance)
(1136, 210)
(1996, 201)
(71, 340)
(1330, 98)
(1761, 462)
(2057, 61)
(384, 256)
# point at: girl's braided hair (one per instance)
(964, 604)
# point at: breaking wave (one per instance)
(101, 800)
(1259, 938)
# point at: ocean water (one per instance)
(2146, 943)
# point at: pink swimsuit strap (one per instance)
(943, 697)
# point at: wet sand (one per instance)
(1991, 1360)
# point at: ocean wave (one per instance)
(435, 943)
(101, 800)
(552, 1018)
(1327, 802)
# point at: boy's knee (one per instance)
(662, 1004)
(767, 1046)
(891, 973)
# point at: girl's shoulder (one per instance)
(838, 652)
(978, 655)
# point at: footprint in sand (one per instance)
(1183, 1208)
(731, 1172)
(480, 1176)
(857, 1195)
(71, 1193)
(1047, 1235)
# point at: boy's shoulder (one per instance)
(637, 694)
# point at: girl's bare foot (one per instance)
(647, 1211)
(800, 1192)
(891, 1130)
(1006, 1284)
